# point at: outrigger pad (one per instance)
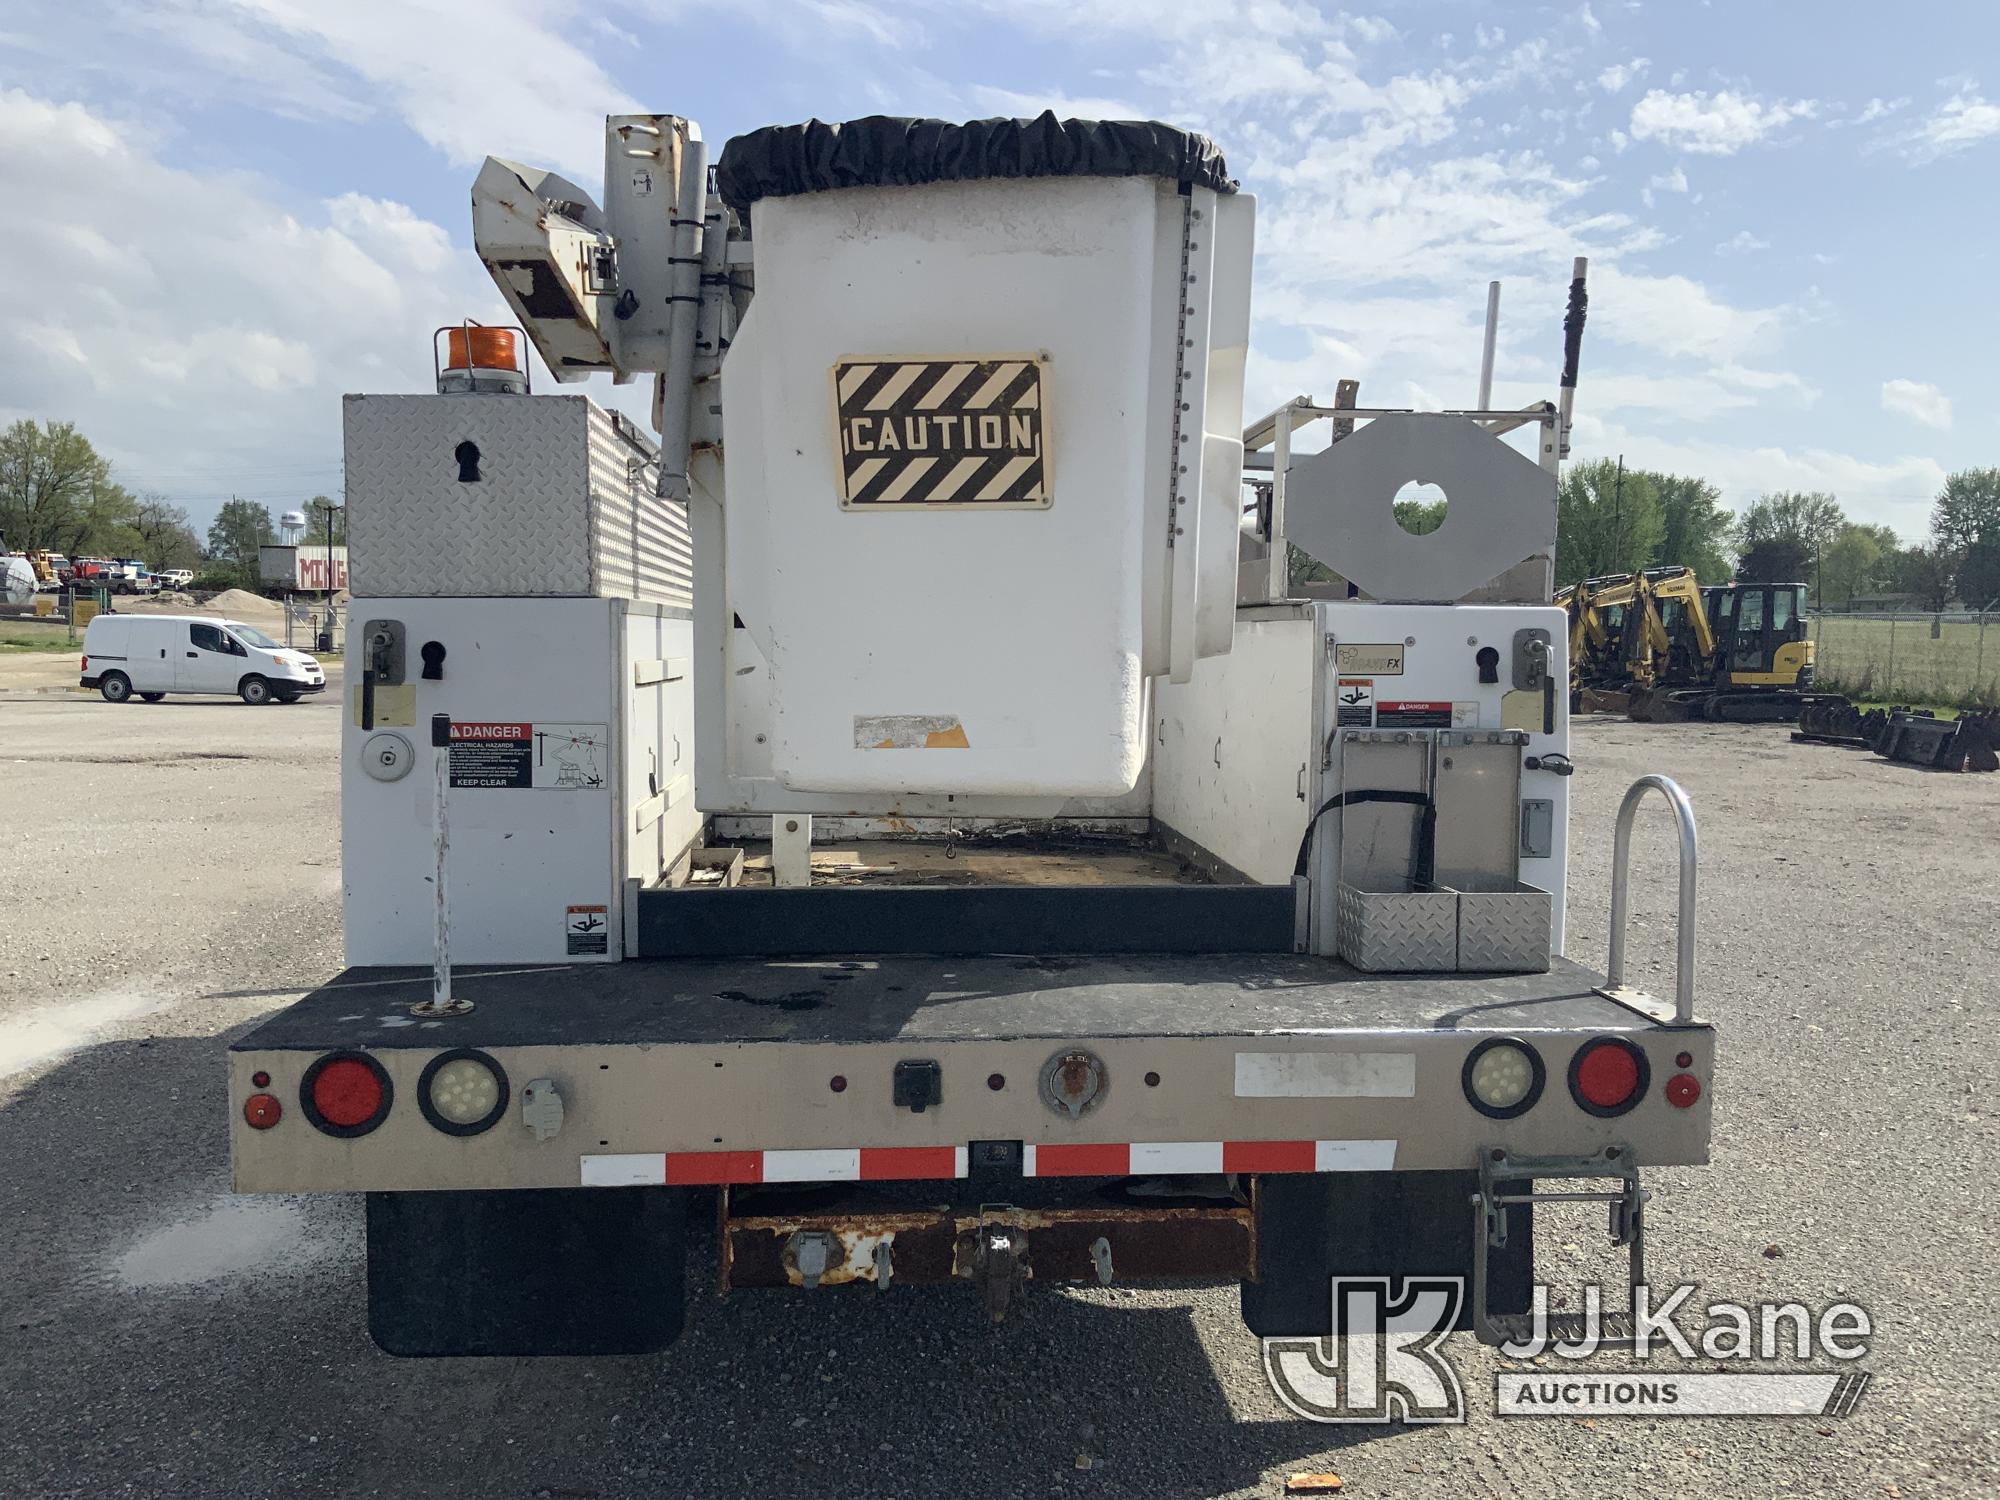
(1395, 1224)
(526, 1271)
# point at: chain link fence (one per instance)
(1944, 659)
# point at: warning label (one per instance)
(587, 929)
(525, 757)
(1355, 703)
(492, 755)
(1412, 714)
(964, 432)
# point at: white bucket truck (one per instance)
(906, 805)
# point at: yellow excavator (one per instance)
(1676, 651)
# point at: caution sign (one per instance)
(586, 929)
(1354, 703)
(918, 433)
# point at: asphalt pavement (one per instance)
(169, 873)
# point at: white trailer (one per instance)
(906, 811)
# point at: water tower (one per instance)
(291, 527)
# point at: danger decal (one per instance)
(525, 757)
(1412, 714)
(965, 433)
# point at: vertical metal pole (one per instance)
(1889, 686)
(441, 1002)
(441, 826)
(1278, 574)
(1486, 350)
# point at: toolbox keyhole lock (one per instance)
(467, 455)
(433, 655)
(1488, 661)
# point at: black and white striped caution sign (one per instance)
(916, 432)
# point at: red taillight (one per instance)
(1607, 1076)
(346, 1093)
(83, 665)
(262, 1111)
(1683, 1089)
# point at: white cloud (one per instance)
(1743, 242)
(1589, 20)
(1718, 124)
(1878, 109)
(502, 77)
(1674, 316)
(1615, 77)
(206, 334)
(1675, 181)
(1890, 492)
(1917, 400)
(1960, 122)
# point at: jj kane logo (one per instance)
(1384, 1360)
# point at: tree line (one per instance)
(57, 494)
(1610, 519)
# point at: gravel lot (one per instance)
(170, 873)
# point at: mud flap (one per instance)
(530, 1271)
(1395, 1224)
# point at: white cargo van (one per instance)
(153, 655)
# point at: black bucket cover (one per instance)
(881, 151)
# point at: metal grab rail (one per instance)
(1621, 856)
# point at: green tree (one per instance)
(55, 488)
(1851, 565)
(1812, 519)
(1605, 523)
(161, 533)
(239, 529)
(1697, 531)
(324, 516)
(1979, 572)
(1967, 509)
(1419, 517)
(1775, 559)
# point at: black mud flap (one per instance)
(1395, 1224)
(528, 1271)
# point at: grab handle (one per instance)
(1621, 857)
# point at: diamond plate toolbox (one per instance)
(507, 496)
(1411, 931)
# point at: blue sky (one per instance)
(228, 212)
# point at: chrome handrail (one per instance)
(1621, 855)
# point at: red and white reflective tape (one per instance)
(704, 1168)
(1173, 1158)
(891, 1163)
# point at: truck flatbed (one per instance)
(913, 999)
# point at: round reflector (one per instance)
(1503, 1077)
(1683, 1089)
(462, 1091)
(262, 1111)
(1607, 1076)
(346, 1093)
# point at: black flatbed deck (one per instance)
(858, 998)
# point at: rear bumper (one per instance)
(89, 682)
(681, 1075)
